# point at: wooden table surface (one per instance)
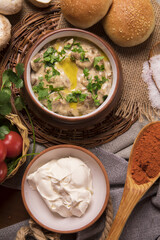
(11, 207)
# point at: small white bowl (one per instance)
(39, 211)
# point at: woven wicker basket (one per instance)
(15, 120)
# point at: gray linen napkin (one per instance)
(144, 222)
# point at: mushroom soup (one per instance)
(71, 76)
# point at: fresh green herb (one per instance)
(37, 60)
(57, 89)
(68, 46)
(48, 77)
(105, 97)
(94, 85)
(41, 91)
(76, 96)
(49, 103)
(3, 131)
(62, 52)
(83, 58)
(55, 72)
(40, 78)
(49, 51)
(96, 63)
(78, 49)
(8, 78)
(86, 72)
(76, 43)
(19, 69)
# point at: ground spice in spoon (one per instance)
(146, 155)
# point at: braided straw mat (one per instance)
(134, 102)
(41, 234)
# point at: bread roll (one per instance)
(129, 22)
(5, 32)
(84, 13)
(8, 7)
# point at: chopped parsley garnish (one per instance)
(94, 85)
(37, 60)
(76, 96)
(83, 58)
(41, 91)
(86, 72)
(49, 51)
(49, 103)
(96, 63)
(68, 46)
(57, 89)
(40, 78)
(62, 52)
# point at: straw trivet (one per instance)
(24, 34)
(34, 230)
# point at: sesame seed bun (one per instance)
(129, 22)
(84, 13)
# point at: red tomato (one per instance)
(13, 142)
(3, 151)
(3, 171)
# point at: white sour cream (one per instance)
(65, 185)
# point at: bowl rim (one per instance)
(62, 118)
(104, 173)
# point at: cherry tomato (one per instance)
(3, 151)
(13, 142)
(3, 171)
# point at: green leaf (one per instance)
(68, 46)
(83, 58)
(19, 103)
(3, 131)
(5, 80)
(76, 96)
(4, 97)
(97, 60)
(42, 94)
(37, 60)
(86, 72)
(19, 83)
(5, 108)
(7, 91)
(19, 69)
(57, 89)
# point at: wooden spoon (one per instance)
(132, 193)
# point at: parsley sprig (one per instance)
(76, 96)
(94, 85)
(96, 64)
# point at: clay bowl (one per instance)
(80, 121)
(39, 211)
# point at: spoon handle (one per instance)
(129, 200)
